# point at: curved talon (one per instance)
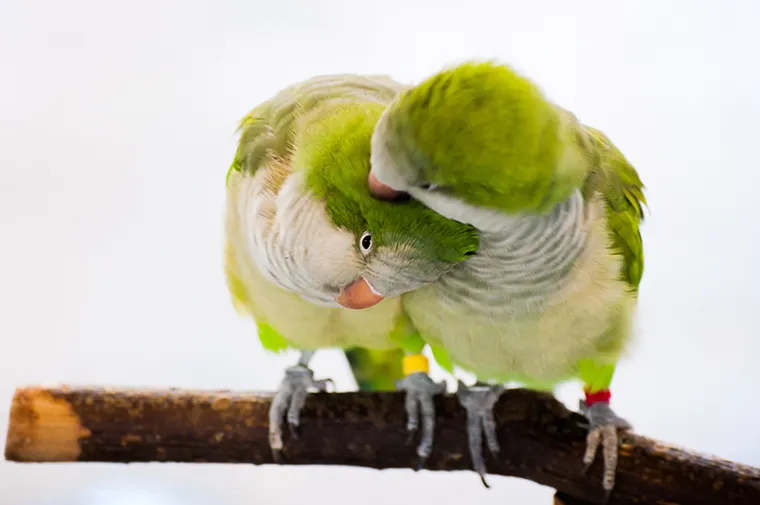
(420, 464)
(420, 409)
(603, 430)
(295, 431)
(321, 384)
(593, 440)
(489, 428)
(288, 403)
(606, 498)
(586, 468)
(478, 401)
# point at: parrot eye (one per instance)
(366, 242)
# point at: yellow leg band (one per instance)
(415, 363)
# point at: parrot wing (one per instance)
(615, 179)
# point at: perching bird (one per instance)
(551, 293)
(304, 240)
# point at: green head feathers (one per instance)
(334, 148)
(482, 133)
(312, 140)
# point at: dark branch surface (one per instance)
(541, 440)
(563, 499)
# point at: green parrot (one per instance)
(305, 243)
(551, 293)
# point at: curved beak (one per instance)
(359, 295)
(384, 192)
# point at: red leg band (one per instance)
(602, 396)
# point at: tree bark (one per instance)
(540, 439)
(563, 499)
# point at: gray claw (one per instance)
(420, 390)
(607, 494)
(295, 431)
(603, 430)
(412, 433)
(479, 401)
(421, 460)
(586, 468)
(288, 402)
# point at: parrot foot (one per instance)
(290, 398)
(420, 390)
(603, 430)
(479, 400)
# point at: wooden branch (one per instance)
(563, 499)
(540, 439)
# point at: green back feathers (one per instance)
(487, 136)
(623, 192)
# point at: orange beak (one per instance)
(382, 191)
(359, 295)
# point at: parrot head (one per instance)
(362, 249)
(474, 142)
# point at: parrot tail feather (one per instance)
(376, 370)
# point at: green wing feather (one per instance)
(623, 192)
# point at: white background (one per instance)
(116, 130)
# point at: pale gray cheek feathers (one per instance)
(298, 248)
(488, 220)
(394, 275)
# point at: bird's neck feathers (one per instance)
(528, 259)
